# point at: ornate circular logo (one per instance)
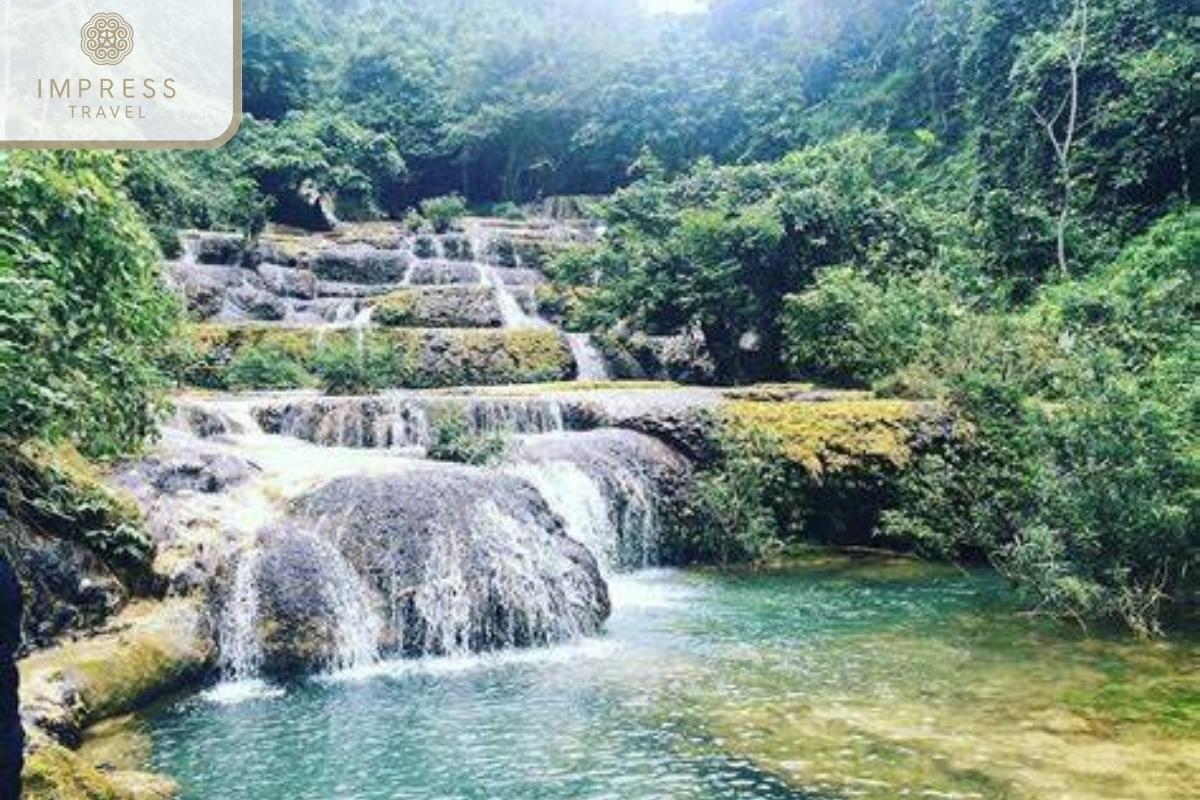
(107, 38)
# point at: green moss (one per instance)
(397, 309)
(52, 772)
(54, 489)
(420, 357)
(833, 436)
(156, 649)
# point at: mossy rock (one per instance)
(439, 307)
(834, 435)
(424, 357)
(55, 491)
(52, 772)
(152, 649)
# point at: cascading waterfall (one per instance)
(344, 599)
(400, 422)
(603, 484)
(356, 624)
(589, 363)
(579, 500)
(240, 645)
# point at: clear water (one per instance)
(828, 681)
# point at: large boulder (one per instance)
(451, 559)
(287, 281)
(211, 247)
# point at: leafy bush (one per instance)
(348, 367)
(1079, 482)
(507, 210)
(266, 366)
(84, 315)
(729, 517)
(453, 440)
(443, 212)
(850, 329)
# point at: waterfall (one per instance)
(604, 485)
(511, 312)
(399, 422)
(579, 500)
(238, 631)
(589, 363)
(522, 416)
(339, 602)
(356, 624)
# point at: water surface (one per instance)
(835, 680)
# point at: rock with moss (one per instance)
(439, 307)
(79, 547)
(151, 649)
(418, 357)
(213, 247)
(431, 273)
(359, 264)
(52, 772)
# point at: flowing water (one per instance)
(833, 680)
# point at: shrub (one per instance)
(349, 367)
(453, 440)
(84, 314)
(729, 517)
(850, 329)
(266, 366)
(443, 212)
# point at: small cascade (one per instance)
(514, 415)
(356, 624)
(580, 501)
(238, 631)
(296, 586)
(606, 486)
(589, 363)
(360, 324)
(511, 312)
(399, 422)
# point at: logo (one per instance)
(107, 39)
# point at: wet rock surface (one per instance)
(455, 559)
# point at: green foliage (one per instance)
(443, 212)
(850, 329)
(719, 248)
(56, 490)
(347, 367)
(729, 515)
(451, 439)
(83, 313)
(1080, 480)
(265, 366)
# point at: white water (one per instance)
(579, 501)
(241, 649)
(356, 624)
(590, 365)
